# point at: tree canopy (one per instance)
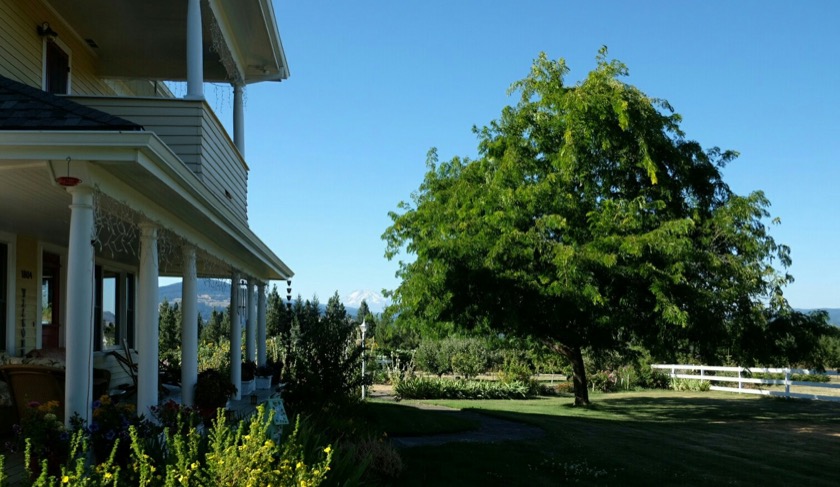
(588, 219)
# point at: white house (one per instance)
(107, 181)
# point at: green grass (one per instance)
(645, 438)
(403, 420)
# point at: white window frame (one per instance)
(11, 284)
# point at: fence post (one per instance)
(740, 384)
(787, 383)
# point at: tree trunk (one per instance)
(578, 371)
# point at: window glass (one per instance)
(58, 69)
(4, 252)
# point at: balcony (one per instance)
(190, 128)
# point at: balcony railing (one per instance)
(192, 131)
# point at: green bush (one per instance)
(693, 385)
(603, 381)
(514, 369)
(323, 368)
(242, 454)
(793, 377)
(437, 388)
(469, 357)
(433, 357)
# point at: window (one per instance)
(56, 67)
(114, 309)
(4, 253)
(50, 299)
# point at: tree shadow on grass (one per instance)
(673, 439)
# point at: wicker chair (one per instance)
(34, 383)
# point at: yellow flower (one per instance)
(108, 475)
(328, 449)
(299, 465)
(65, 480)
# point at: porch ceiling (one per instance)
(140, 175)
(46, 214)
(147, 39)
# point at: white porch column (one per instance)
(250, 325)
(235, 337)
(147, 320)
(261, 324)
(79, 334)
(189, 328)
(195, 54)
(239, 118)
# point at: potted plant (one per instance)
(248, 371)
(262, 377)
(212, 390)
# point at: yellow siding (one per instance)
(21, 53)
(26, 294)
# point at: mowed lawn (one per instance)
(644, 438)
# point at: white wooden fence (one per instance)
(741, 380)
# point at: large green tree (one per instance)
(587, 220)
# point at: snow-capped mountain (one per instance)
(375, 301)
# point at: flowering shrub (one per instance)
(693, 385)
(214, 356)
(249, 456)
(438, 388)
(43, 435)
(109, 429)
(603, 381)
(177, 418)
(236, 455)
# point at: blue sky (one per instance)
(375, 84)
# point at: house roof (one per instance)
(23, 107)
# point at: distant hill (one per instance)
(214, 295)
(833, 314)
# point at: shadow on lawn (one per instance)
(703, 409)
(647, 439)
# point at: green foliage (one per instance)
(278, 318)
(215, 356)
(437, 388)
(217, 327)
(323, 367)
(588, 220)
(794, 377)
(249, 456)
(603, 381)
(245, 453)
(829, 350)
(169, 326)
(432, 357)
(515, 369)
(788, 338)
(393, 335)
(212, 390)
(693, 385)
(469, 357)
